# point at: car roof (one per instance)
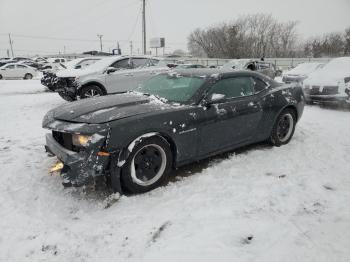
(215, 72)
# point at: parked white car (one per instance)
(300, 72)
(114, 74)
(330, 84)
(17, 71)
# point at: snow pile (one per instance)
(259, 204)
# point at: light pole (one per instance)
(100, 36)
(144, 26)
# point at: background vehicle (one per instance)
(13, 71)
(173, 119)
(188, 66)
(330, 84)
(253, 65)
(300, 72)
(115, 74)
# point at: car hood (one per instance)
(107, 108)
(324, 79)
(75, 72)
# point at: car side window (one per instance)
(122, 64)
(140, 62)
(259, 85)
(10, 67)
(21, 66)
(234, 87)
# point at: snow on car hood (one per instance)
(332, 74)
(75, 72)
(303, 69)
(107, 108)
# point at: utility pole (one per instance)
(131, 47)
(144, 26)
(11, 42)
(100, 36)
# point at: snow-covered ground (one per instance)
(260, 204)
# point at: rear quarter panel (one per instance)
(274, 101)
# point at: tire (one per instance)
(91, 91)
(0, 77)
(152, 158)
(284, 127)
(28, 76)
(67, 97)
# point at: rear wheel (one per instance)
(283, 128)
(0, 77)
(28, 76)
(148, 165)
(91, 91)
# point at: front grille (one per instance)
(70, 81)
(330, 90)
(64, 139)
(326, 90)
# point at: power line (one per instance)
(135, 24)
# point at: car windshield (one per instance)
(172, 87)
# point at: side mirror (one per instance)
(111, 70)
(214, 99)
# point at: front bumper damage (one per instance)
(81, 166)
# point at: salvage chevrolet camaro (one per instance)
(175, 118)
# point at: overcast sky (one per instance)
(76, 23)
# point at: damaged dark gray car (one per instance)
(137, 138)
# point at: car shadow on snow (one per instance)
(98, 190)
(198, 166)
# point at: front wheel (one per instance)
(283, 128)
(67, 97)
(91, 91)
(148, 165)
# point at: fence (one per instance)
(283, 63)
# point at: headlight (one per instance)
(80, 140)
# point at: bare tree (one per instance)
(257, 35)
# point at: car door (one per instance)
(122, 79)
(233, 120)
(21, 70)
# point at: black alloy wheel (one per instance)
(148, 166)
(283, 128)
(91, 91)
